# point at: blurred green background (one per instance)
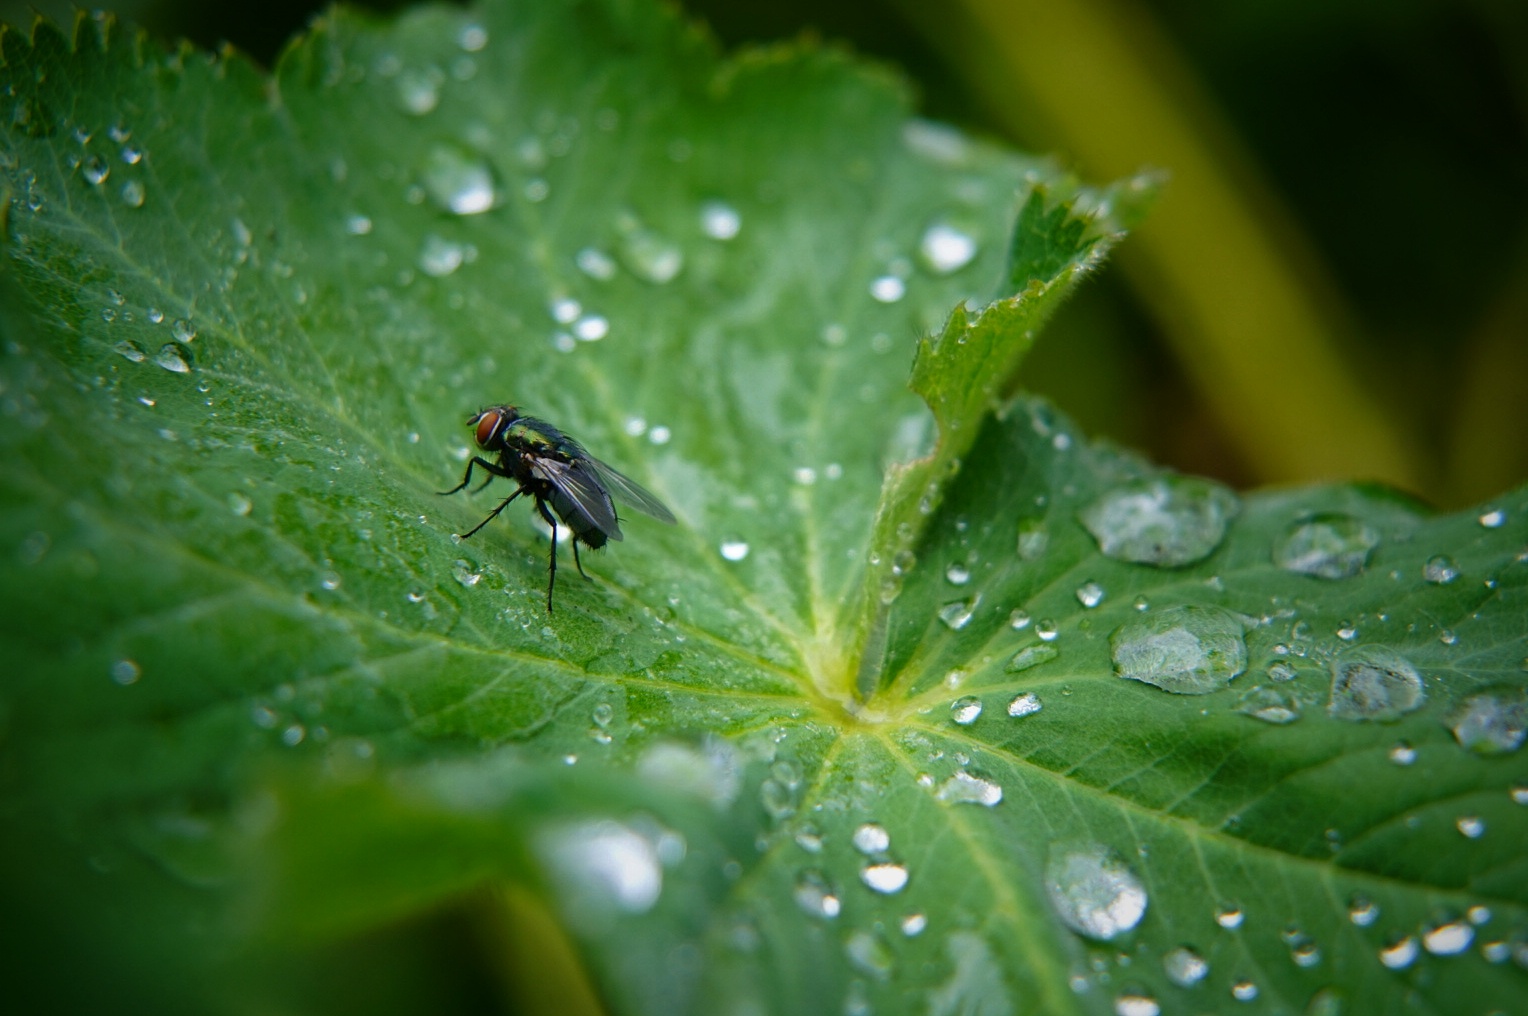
(1335, 283)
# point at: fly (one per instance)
(553, 469)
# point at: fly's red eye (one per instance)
(488, 425)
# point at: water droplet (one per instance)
(734, 550)
(965, 710)
(1400, 953)
(458, 181)
(1328, 546)
(418, 89)
(1185, 967)
(1402, 754)
(329, 580)
(473, 37)
(1046, 630)
(1448, 637)
(1136, 1002)
(126, 672)
(804, 475)
(1167, 521)
(591, 328)
(1189, 650)
(1440, 570)
(1448, 939)
(595, 263)
(293, 735)
(96, 170)
(888, 289)
(963, 788)
(957, 574)
(1471, 826)
(659, 435)
(1362, 911)
(945, 249)
(958, 614)
(358, 225)
(1520, 794)
(1033, 539)
(1491, 723)
(778, 799)
(440, 257)
(1244, 991)
(1026, 704)
(239, 504)
(719, 220)
(133, 194)
(884, 878)
(871, 838)
(1090, 594)
(1374, 683)
(815, 895)
(868, 954)
(1270, 706)
(1492, 519)
(1230, 916)
(1018, 620)
(604, 865)
(170, 358)
(650, 257)
(1031, 656)
(463, 571)
(182, 330)
(1094, 892)
(131, 351)
(1281, 671)
(914, 924)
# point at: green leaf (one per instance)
(853, 735)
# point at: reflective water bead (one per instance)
(1229, 916)
(1026, 704)
(1399, 953)
(1372, 683)
(1440, 570)
(1402, 754)
(1491, 723)
(1244, 991)
(945, 249)
(1136, 1002)
(719, 220)
(1090, 594)
(1493, 519)
(1031, 656)
(1185, 967)
(1471, 826)
(1018, 620)
(963, 788)
(958, 614)
(1329, 545)
(816, 896)
(458, 181)
(886, 878)
(1166, 521)
(1046, 630)
(965, 710)
(1362, 911)
(1448, 939)
(126, 672)
(1094, 892)
(888, 289)
(1188, 650)
(871, 838)
(957, 574)
(734, 550)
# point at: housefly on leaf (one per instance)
(553, 469)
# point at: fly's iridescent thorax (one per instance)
(531, 436)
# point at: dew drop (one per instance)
(957, 574)
(1520, 794)
(440, 257)
(1046, 630)
(293, 735)
(1471, 826)
(473, 37)
(1094, 892)
(133, 194)
(96, 170)
(1026, 704)
(358, 225)
(1018, 620)
(1375, 684)
(1440, 570)
(1269, 705)
(1135, 1002)
(1491, 723)
(182, 330)
(239, 504)
(1230, 917)
(965, 710)
(463, 571)
(815, 895)
(171, 359)
(945, 249)
(1090, 594)
(1244, 991)
(125, 672)
(888, 289)
(1492, 519)
(868, 954)
(884, 878)
(130, 351)
(1402, 754)
(871, 838)
(1031, 656)
(1327, 546)
(1362, 911)
(605, 865)
(719, 220)
(734, 550)
(1400, 953)
(963, 788)
(1033, 539)
(958, 614)
(1185, 967)
(591, 328)
(1448, 939)
(1168, 521)
(595, 263)
(458, 181)
(418, 90)
(650, 257)
(913, 925)
(1188, 650)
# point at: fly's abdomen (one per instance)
(578, 518)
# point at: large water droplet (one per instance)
(126, 672)
(458, 180)
(1168, 521)
(871, 838)
(887, 877)
(944, 249)
(1270, 705)
(171, 358)
(719, 220)
(1400, 953)
(1495, 518)
(958, 614)
(133, 194)
(1440, 569)
(1185, 967)
(1328, 546)
(1189, 650)
(734, 550)
(1090, 594)
(1448, 938)
(816, 896)
(1032, 656)
(963, 788)
(604, 865)
(1491, 723)
(965, 710)
(1374, 683)
(130, 350)
(1023, 705)
(650, 257)
(1136, 1002)
(1094, 892)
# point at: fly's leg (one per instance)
(575, 558)
(551, 582)
(478, 460)
(493, 514)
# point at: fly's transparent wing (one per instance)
(630, 492)
(584, 493)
